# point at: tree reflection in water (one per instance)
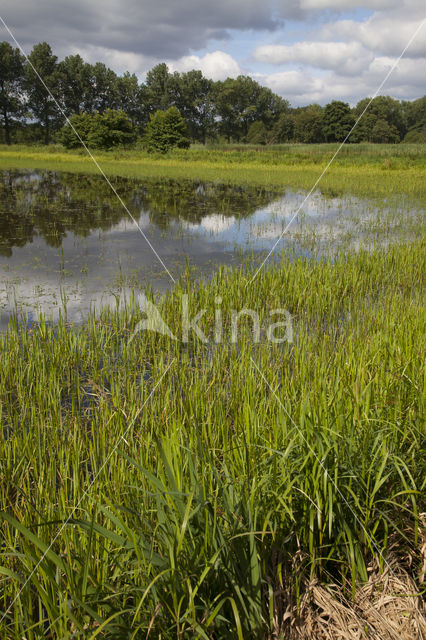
(51, 204)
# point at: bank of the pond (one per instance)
(171, 488)
(365, 172)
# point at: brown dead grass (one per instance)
(389, 606)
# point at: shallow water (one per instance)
(66, 238)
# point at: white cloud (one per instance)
(217, 65)
(298, 87)
(353, 56)
(302, 88)
(120, 61)
(345, 57)
(384, 33)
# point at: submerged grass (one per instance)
(213, 482)
(364, 170)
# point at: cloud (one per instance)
(302, 87)
(120, 61)
(217, 65)
(385, 33)
(348, 58)
(164, 29)
(299, 87)
(352, 56)
(406, 77)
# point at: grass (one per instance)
(364, 170)
(213, 483)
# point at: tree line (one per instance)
(174, 109)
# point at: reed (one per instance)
(193, 490)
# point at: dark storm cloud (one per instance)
(162, 28)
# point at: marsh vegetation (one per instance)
(156, 488)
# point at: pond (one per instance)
(66, 239)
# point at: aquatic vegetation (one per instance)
(159, 488)
(176, 488)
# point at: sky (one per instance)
(304, 50)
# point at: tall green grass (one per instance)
(192, 490)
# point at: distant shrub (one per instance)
(416, 134)
(384, 132)
(98, 131)
(166, 130)
(257, 133)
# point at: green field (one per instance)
(366, 170)
(160, 488)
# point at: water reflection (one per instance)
(66, 236)
(50, 205)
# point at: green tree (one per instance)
(382, 108)
(40, 104)
(191, 93)
(102, 88)
(363, 129)
(416, 135)
(98, 131)
(270, 106)
(156, 91)
(111, 129)
(283, 129)
(165, 130)
(389, 109)
(74, 83)
(82, 123)
(241, 101)
(308, 124)
(128, 97)
(414, 112)
(415, 119)
(384, 132)
(11, 95)
(257, 133)
(337, 121)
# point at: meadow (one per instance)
(160, 488)
(365, 170)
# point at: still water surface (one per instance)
(66, 236)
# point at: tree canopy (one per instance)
(11, 99)
(109, 109)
